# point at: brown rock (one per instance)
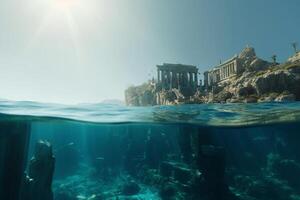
(285, 98)
(251, 99)
(278, 81)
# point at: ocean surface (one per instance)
(108, 151)
(203, 114)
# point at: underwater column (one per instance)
(14, 141)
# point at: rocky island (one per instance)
(244, 78)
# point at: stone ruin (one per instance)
(38, 183)
(175, 83)
(235, 66)
(14, 183)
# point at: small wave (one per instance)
(202, 114)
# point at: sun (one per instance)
(65, 4)
(67, 20)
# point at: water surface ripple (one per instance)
(202, 114)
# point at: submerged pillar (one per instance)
(184, 139)
(14, 140)
(211, 163)
(41, 170)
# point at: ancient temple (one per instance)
(232, 67)
(177, 76)
(225, 70)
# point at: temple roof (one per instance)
(178, 67)
(223, 63)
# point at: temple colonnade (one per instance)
(176, 76)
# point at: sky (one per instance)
(75, 51)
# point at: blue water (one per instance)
(209, 151)
(203, 114)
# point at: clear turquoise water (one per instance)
(203, 114)
(101, 147)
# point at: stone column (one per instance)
(163, 78)
(158, 76)
(226, 71)
(191, 80)
(205, 76)
(235, 67)
(196, 79)
(169, 81)
(41, 170)
(177, 80)
(221, 73)
(211, 162)
(233, 71)
(172, 79)
(14, 141)
(185, 78)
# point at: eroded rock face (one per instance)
(246, 91)
(251, 99)
(259, 64)
(247, 53)
(143, 95)
(277, 81)
(222, 97)
(281, 84)
(41, 169)
(246, 57)
(167, 97)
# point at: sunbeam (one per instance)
(75, 36)
(59, 14)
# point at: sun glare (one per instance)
(61, 19)
(65, 4)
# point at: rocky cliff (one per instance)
(258, 81)
(276, 83)
(143, 95)
(149, 94)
